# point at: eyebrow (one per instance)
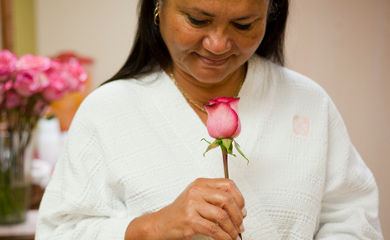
(212, 15)
(204, 13)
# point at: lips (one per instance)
(213, 61)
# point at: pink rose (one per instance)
(223, 120)
(12, 99)
(7, 64)
(27, 83)
(75, 76)
(8, 85)
(55, 90)
(31, 62)
(56, 86)
(55, 67)
(56, 73)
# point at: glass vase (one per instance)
(16, 154)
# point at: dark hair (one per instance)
(149, 50)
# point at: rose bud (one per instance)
(223, 120)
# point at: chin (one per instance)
(210, 75)
(210, 78)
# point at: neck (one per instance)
(200, 92)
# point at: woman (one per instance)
(133, 166)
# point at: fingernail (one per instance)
(241, 228)
(238, 238)
(244, 212)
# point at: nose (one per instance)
(217, 42)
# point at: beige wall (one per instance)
(343, 45)
(100, 29)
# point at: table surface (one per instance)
(20, 231)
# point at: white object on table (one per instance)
(41, 172)
(49, 140)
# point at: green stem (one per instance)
(225, 162)
(226, 168)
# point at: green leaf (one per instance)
(211, 146)
(237, 146)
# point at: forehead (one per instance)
(222, 6)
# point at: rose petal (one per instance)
(221, 99)
(234, 104)
(27, 83)
(238, 130)
(33, 62)
(222, 121)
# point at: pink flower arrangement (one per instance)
(29, 84)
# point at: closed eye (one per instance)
(243, 26)
(196, 22)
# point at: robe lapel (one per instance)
(186, 126)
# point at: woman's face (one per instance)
(210, 39)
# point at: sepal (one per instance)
(225, 144)
(237, 146)
(215, 144)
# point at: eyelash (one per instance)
(243, 27)
(196, 22)
(201, 23)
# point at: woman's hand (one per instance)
(211, 207)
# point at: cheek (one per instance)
(187, 38)
(179, 37)
(249, 42)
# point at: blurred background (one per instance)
(342, 45)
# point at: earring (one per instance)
(156, 17)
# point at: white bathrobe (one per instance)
(134, 146)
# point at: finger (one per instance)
(206, 188)
(221, 217)
(227, 208)
(229, 186)
(224, 184)
(211, 229)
